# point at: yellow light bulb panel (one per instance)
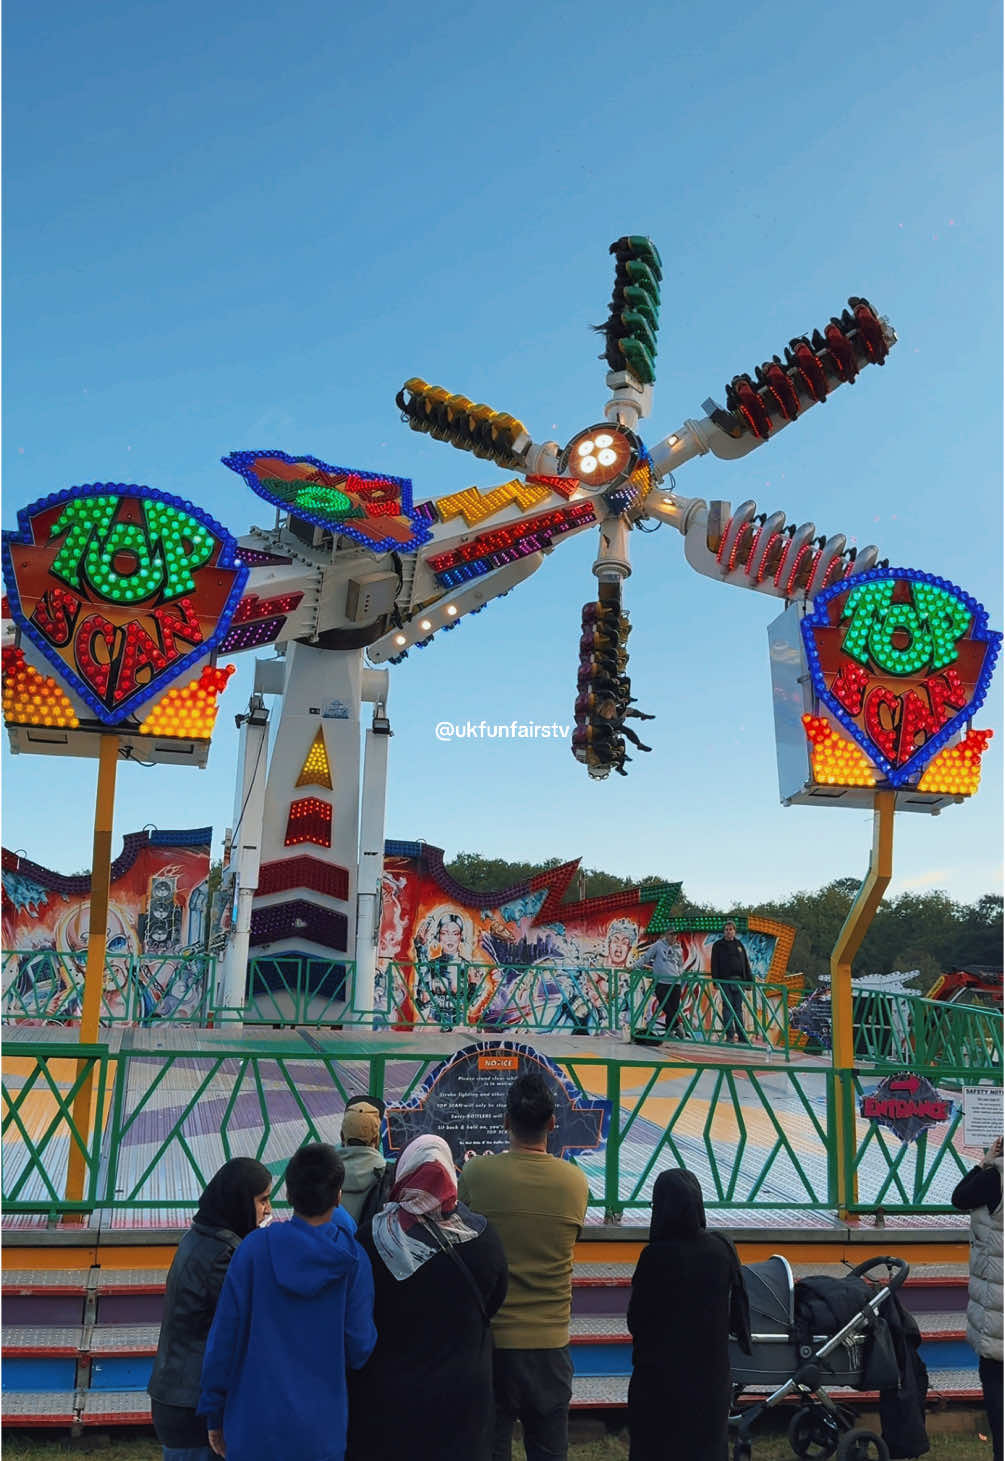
(956, 771)
(316, 770)
(188, 712)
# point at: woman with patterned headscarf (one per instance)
(439, 1275)
(235, 1202)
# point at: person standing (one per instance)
(980, 1194)
(731, 971)
(367, 1182)
(234, 1203)
(538, 1205)
(296, 1310)
(664, 959)
(439, 1275)
(687, 1298)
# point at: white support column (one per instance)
(322, 691)
(246, 847)
(371, 844)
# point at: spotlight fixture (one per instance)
(601, 457)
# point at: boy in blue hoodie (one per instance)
(296, 1308)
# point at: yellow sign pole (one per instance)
(849, 941)
(97, 940)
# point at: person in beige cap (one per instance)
(366, 1171)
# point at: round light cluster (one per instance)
(30, 698)
(189, 712)
(836, 761)
(595, 452)
(957, 770)
(600, 456)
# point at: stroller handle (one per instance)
(897, 1268)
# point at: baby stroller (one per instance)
(788, 1360)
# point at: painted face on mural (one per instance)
(619, 946)
(448, 936)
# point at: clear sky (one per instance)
(244, 226)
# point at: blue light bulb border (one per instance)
(242, 462)
(226, 558)
(900, 776)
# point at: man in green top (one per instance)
(538, 1205)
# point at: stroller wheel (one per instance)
(862, 1445)
(814, 1434)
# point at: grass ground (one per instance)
(141, 1446)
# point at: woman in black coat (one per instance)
(235, 1202)
(439, 1274)
(687, 1298)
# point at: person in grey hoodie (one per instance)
(360, 1154)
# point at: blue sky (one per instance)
(239, 226)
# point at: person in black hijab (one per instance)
(687, 1298)
(234, 1203)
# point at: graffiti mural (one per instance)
(157, 932)
(523, 956)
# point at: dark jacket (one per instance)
(426, 1391)
(720, 961)
(194, 1281)
(687, 1298)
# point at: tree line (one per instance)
(924, 931)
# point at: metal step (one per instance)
(44, 1281)
(26, 1340)
(124, 1339)
(611, 1391)
(115, 1407)
(38, 1407)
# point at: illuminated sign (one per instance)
(907, 1105)
(902, 660)
(374, 510)
(122, 589)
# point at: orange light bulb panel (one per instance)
(31, 698)
(123, 591)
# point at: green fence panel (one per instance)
(40, 1084)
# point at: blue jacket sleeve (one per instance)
(360, 1330)
(225, 1341)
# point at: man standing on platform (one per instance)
(538, 1205)
(664, 959)
(731, 971)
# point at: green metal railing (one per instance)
(757, 1137)
(900, 1029)
(45, 987)
(40, 1084)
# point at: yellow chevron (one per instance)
(474, 506)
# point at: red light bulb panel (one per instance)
(121, 590)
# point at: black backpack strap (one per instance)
(455, 1257)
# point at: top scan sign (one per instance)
(902, 660)
(122, 589)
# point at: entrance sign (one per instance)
(464, 1101)
(907, 1105)
(122, 589)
